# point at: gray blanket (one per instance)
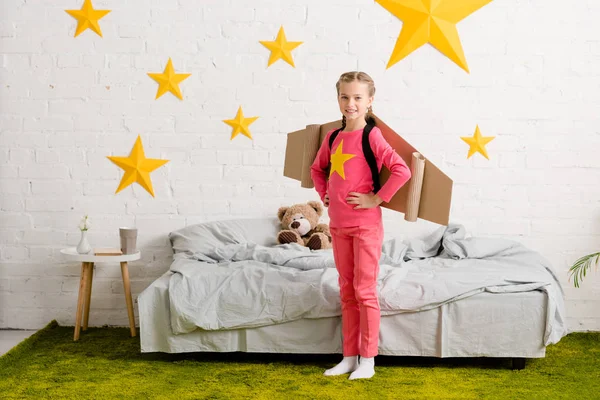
(243, 285)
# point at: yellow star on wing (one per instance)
(477, 143)
(240, 124)
(281, 48)
(338, 159)
(137, 167)
(87, 17)
(168, 81)
(430, 21)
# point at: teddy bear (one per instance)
(300, 224)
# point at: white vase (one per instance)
(84, 246)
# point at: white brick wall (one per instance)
(66, 103)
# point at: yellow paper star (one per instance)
(87, 17)
(430, 21)
(338, 159)
(137, 167)
(281, 48)
(477, 143)
(168, 81)
(240, 124)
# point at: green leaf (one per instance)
(579, 269)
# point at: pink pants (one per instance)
(356, 251)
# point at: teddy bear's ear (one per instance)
(281, 212)
(317, 206)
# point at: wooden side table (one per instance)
(85, 284)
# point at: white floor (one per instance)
(11, 338)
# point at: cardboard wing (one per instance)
(427, 195)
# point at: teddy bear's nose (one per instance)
(295, 225)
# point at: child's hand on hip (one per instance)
(364, 200)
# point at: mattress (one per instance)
(499, 325)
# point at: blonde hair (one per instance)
(352, 76)
(362, 77)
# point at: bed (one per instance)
(231, 288)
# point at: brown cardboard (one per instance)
(436, 187)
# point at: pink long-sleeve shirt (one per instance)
(356, 176)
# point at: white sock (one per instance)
(348, 364)
(366, 369)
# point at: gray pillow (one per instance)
(205, 237)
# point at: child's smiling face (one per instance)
(354, 99)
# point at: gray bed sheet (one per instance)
(499, 325)
(240, 282)
(447, 295)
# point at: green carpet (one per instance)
(106, 364)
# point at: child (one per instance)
(355, 218)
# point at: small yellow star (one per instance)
(281, 48)
(430, 21)
(168, 81)
(240, 124)
(87, 17)
(137, 167)
(477, 143)
(338, 159)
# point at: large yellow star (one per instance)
(430, 21)
(281, 48)
(477, 143)
(87, 17)
(137, 167)
(338, 159)
(240, 124)
(168, 81)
